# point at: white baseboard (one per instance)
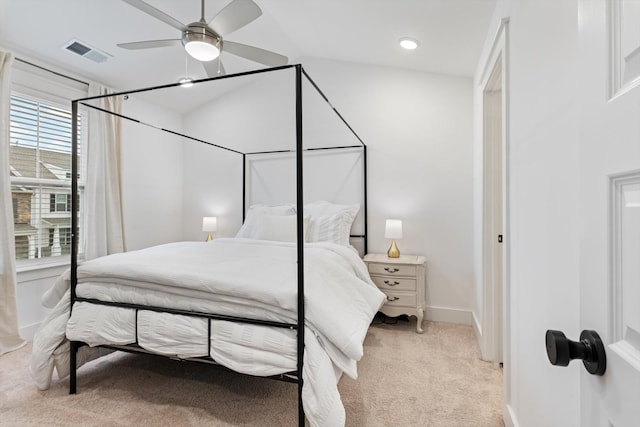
(477, 330)
(451, 315)
(509, 417)
(27, 332)
(477, 327)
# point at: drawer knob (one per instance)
(392, 298)
(391, 269)
(388, 282)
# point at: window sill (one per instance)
(38, 265)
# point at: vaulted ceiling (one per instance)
(450, 32)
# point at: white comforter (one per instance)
(239, 277)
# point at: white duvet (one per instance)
(238, 277)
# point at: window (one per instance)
(40, 157)
(59, 202)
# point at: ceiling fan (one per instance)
(204, 41)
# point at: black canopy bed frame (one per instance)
(293, 376)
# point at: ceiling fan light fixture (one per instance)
(201, 43)
(202, 51)
(203, 39)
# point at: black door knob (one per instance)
(589, 349)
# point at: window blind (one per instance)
(40, 160)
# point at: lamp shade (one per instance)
(393, 229)
(209, 223)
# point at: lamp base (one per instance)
(393, 251)
(209, 237)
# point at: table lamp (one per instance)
(209, 224)
(393, 230)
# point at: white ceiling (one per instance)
(451, 33)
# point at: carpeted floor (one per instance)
(405, 379)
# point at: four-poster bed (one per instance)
(233, 288)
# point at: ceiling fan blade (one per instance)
(256, 54)
(156, 13)
(234, 16)
(211, 67)
(150, 44)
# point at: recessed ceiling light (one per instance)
(409, 43)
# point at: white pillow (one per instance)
(330, 222)
(280, 228)
(321, 208)
(249, 228)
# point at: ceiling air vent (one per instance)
(86, 51)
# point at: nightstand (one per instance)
(403, 280)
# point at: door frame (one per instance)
(496, 315)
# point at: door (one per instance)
(609, 210)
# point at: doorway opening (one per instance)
(493, 234)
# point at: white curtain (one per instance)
(103, 202)
(9, 337)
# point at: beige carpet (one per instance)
(406, 379)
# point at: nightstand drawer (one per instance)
(393, 269)
(394, 283)
(400, 299)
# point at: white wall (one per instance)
(543, 175)
(151, 175)
(418, 129)
(32, 283)
(255, 117)
(260, 117)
